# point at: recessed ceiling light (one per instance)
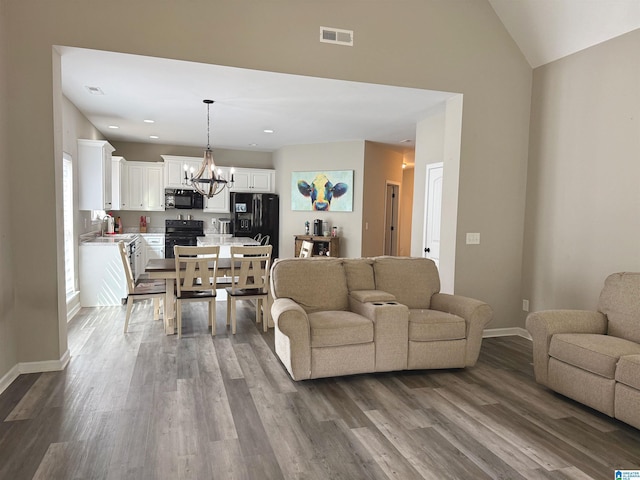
(155, 137)
(253, 144)
(406, 140)
(268, 130)
(94, 90)
(114, 126)
(149, 121)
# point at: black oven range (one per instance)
(181, 232)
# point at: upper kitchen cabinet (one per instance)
(219, 203)
(119, 184)
(174, 168)
(94, 175)
(146, 186)
(254, 180)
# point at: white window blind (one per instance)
(67, 193)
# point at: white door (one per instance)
(433, 211)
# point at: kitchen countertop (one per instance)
(108, 239)
(226, 240)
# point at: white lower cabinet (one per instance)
(152, 246)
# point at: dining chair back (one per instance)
(306, 249)
(265, 240)
(250, 266)
(139, 291)
(197, 268)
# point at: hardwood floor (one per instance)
(148, 406)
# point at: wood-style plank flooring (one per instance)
(149, 406)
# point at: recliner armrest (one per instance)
(476, 314)
(546, 323)
(292, 337)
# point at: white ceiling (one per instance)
(547, 30)
(300, 110)
(303, 110)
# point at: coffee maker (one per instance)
(317, 227)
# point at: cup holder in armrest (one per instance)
(385, 303)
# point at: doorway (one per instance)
(433, 212)
(392, 196)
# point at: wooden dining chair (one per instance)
(250, 266)
(197, 269)
(141, 290)
(306, 249)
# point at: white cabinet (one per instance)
(94, 175)
(152, 246)
(253, 180)
(219, 203)
(119, 184)
(174, 168)
(146, 186)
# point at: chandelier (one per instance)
(208, 180)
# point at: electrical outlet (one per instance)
(525, 305)
(473, 239)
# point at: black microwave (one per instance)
(184, 199)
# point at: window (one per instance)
(67, 201)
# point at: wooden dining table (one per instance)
(165, 269)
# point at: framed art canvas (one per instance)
(324, 190)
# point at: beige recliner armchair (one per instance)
(594, 356)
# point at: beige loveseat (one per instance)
(594, 357)
(343, 316)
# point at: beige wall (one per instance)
(382, 164)
(326, 156)
(456, 46)
(151, 152)
(8, 321)
(583, 195)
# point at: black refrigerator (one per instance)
(256, 213)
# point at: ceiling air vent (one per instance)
(336, 35)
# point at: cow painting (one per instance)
(321, 191)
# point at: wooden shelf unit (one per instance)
(329, 246)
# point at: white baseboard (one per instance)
(506, 332)
(73, 305)
(34, 367)
(8, 379)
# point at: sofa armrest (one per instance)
(390, 332)
(544, 324)
(476, 314)
(292, 337)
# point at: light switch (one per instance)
(473, 239)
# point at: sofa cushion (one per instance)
(594, 353)
(316, 283)
(372, 296)
(628, 371)
(620, 302)
(432, 325)
(411, 280)
(334, 328)
(359, 273)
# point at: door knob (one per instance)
(427, 250)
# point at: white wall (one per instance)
(326, 156)
(583, 188)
